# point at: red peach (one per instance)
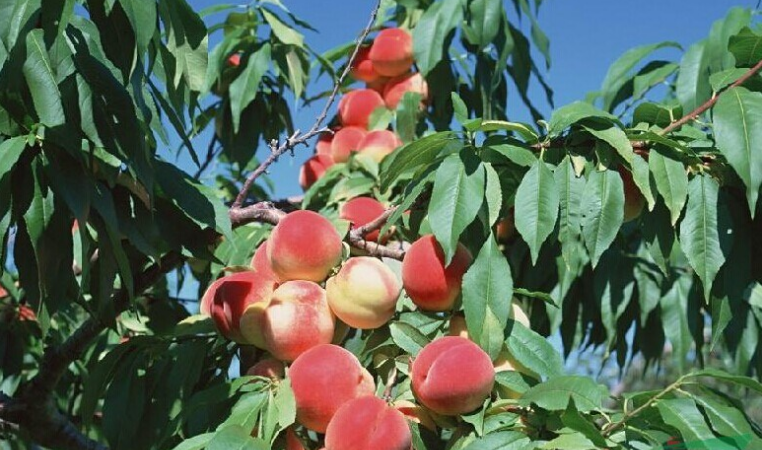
(346, 141)
(234, 60)
(3, 292)
(392, 52)
(633, 198)
(360, 211)
(362, 66)
(313, 169)
(364, 293)
(368, 423)
(355, 107)
(296, 319)
(323, 145)
(505, 229)
(426, 280)
(228, 297)
(323, 379)
(292, 441)
(268, 368)
(378, 85)
(304, 246)
(452, 376)
(261, 264)
(377, 144)
(397, 87)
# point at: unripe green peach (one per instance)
(364, 293)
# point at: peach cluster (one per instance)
(297, 288)
(385, 67)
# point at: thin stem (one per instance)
(627, 416)
(276, 151)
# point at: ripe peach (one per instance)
(268, 368)
(313, 169)
(392, 52)
(355, 107)
(323, 145)
(261, 264)
(377, 144)
(505, 229)
(378, 85)
(292, 441)
(234, 60)
(228, 297)
(362, 66)
(323, 379)
(415, 413)
(346, 141)
(397, 87)
(368, 423)
(304, 246)
(364, 293)
(360, 211)
(452, 376)
(633, 198)
(431, 285)
(3, 292)
(296, 319)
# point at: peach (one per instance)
(452, 376)
(396, 88)
(346, 141)
(368, 423)
(292, 441)
(234, 60)
(426, 280)
(296, 319)
(355, 107)
(505, 229)
(304, 246)
(377, 144)
(323, 145)
(261, 264)
(364, 293)
(392, 52)
(415, 413)
(378, 85)
(313, 169)
(361, 211)
(268, 368)
(362, 66)
(633, 198)
(324, 378)
(228, 297)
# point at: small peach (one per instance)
(356, 106)
(361, 211)
(268, 368)
(362, 66)
(396, 88)
(377, 144)
(392, 52)
(346, 141)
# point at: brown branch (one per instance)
(373, 225)
(276, 151)
(709, 103)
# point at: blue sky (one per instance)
(586, 37)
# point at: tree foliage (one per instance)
(100, 228)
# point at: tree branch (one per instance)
(709, 103)
(276, 151)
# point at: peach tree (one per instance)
(443, 263)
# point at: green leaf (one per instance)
(198, 442)
(456, 198)
(674, 317)
(641, 175)
(245, 412)
(524, 130)
(283, 32)
(493, 194)
(721, 80)
(487, 293)
(285, 404)
(484, 22)
(699, 234)
(10, 150)
(683, 414)
(738, 132)
(746, 46)
(502, 440)
(615, 137)
(572, 419)
(408, 114)
(556, 393)
(533, 351)
(602, 211)
(416, 154)
(187, 41)
(407, 337)
(431, 31)
(236, 438)
(198, 202)
(460, 108)
(656, 114)
(245, 87)
(41, 79)
(671, 182)
(718, 374)
(536, 207)
(617, 75)
(658, 73)
(570, 188)
(510, 150)
(142, 17)
(568, 115)
(725, 419)
(693, 87)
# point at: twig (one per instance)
(296, 139)
(709, 103)
(373, 225)
(211, 153)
